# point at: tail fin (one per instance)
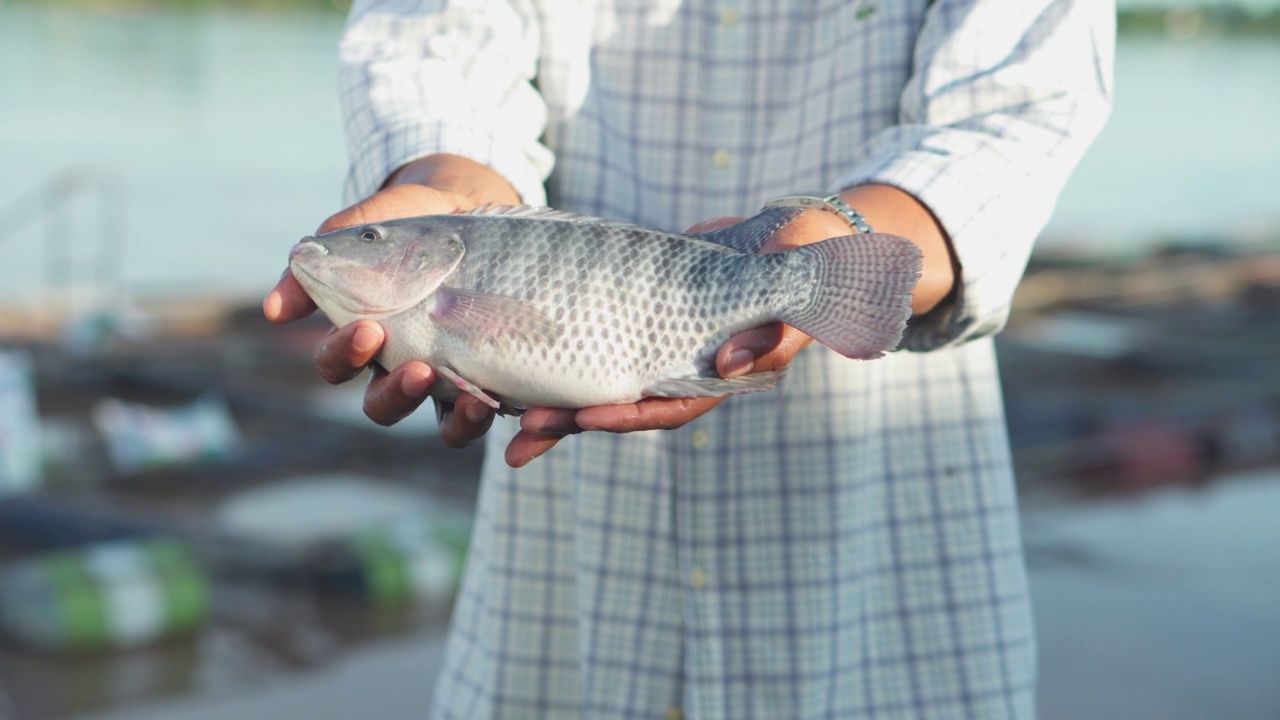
(861, 298)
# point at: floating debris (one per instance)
(139, 437)
(20, 450)
(117, 594)
(381, 542)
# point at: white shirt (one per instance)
(844, 546)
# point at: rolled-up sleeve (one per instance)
(1003, 99)
(419, 77)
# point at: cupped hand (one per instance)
(345, 352)
(770, 347)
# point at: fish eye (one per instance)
(371, 233)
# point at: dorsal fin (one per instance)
(538, 212)
(749, 235)
(541, 212)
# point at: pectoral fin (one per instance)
(494, 319)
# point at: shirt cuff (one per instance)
(959, 176)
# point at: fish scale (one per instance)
(592, 265)
(531, 306)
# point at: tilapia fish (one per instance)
(527, 306)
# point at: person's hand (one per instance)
(770, 347)
(345, 352)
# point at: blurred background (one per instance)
(193, 526)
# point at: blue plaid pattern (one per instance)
(847, 545)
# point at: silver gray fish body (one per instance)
(531, 306)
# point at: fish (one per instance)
(526, 306)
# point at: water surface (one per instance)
(221, 131)
(221, 128)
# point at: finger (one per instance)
(740, 354)
(647, 414)
(287, 301)
(549, 420)
(392, 396)
(540, 429)
(467, 422)
(526, 446)
(790, 345)
(343, 353)
(765, 348)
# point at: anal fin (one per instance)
(712, 386)
(467, 387)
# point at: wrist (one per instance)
(896, 212)
(810, 226)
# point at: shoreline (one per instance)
(326, 6)
(1184, 22)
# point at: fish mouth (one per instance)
(301, 263)
(312, 285)
(323, 293)
(299, 254)
(307, 246)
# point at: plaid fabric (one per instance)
(847, 545)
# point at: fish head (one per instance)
(375, 270)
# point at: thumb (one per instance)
(769, 347)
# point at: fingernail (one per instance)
(740, 362)
(271, 305)
(414, 385)
(365, 339)
(476, 412)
